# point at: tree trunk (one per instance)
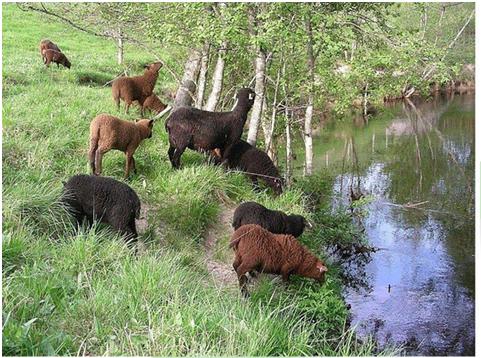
(269, 127)
(310, 101)
(185, 93)
(120, 48)
(308, 135)
(217, 79)
(259, 100)
(288, 148)
(204, 62)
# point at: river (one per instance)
(415, 164)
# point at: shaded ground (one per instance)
(218, 256)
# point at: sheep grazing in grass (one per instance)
(257, 249)
(50, 52)
(252, 160)
(137, 88)
(154, 104)
(205, 131)
(274, 221)
(109, 132)
(104, 199)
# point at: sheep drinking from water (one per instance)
(109, 132)
(274, 221)
(104, 199)
(50, 52)
(204, 131)
(257, 249)
(137, 88)
(252, 161)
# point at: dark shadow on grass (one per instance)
(93, 79)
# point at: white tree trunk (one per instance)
(259, 100)
(120, 48)
(268, 127)
(288, 148)
(204, 62)
(217, 79)
(310, 101)
(308, 135)
(185, 93)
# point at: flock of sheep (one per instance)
(264, 240)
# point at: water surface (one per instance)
(418, 289)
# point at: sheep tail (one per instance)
(234, 243)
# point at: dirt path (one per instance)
(217, 253)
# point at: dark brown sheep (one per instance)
(50, 52)
(252, 160)
(205, 131)
(109, 132)
(154, 104)
(104, 199)
(256, 249)
(137, 88)
(274, 221)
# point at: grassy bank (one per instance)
(69, 291)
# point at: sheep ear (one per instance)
(151, 123)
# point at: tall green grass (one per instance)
(75, 290)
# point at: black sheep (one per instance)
(274, 221)
(203, 131)
(104, 199)
(252, 160)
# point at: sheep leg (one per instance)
(171, 153)
(127, 106)
(255, 183)
(286, 272)
(92, 158)
(98, 161)
(237, 262)
(128, 163)
(242, 269)
(133, 165)
(176, 157)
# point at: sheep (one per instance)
(108, 132)
(136, 88)
(50, 52)
(204, 131)
(274, 221)
(104, 199)
(253, 161)
(56, 57)
(256, 249)
(154, 104)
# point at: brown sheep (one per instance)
(257, 249)
(136, 88)
(154, 104)
(50, 52)
(109, 132)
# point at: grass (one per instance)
(69, 290)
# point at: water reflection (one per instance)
(417, 161)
